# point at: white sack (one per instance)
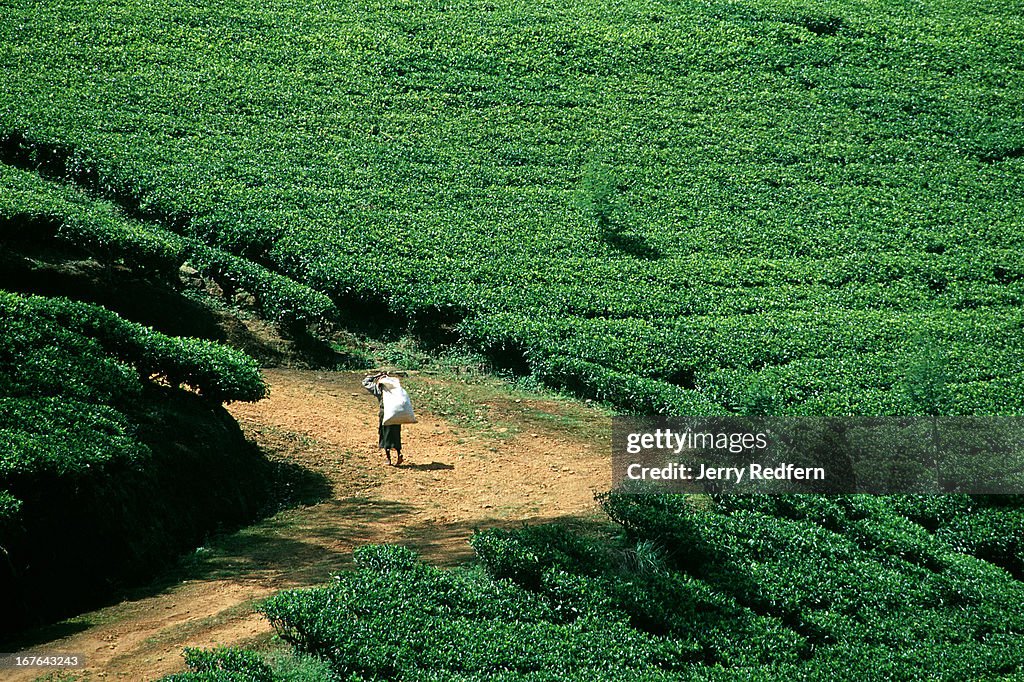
(397, 406)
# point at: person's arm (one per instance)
(370, 384)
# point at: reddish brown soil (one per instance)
(455, 478)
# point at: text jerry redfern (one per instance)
(702, 472)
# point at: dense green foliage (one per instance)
(106, 356)
(223, 665)
(228, 664)
(70, 374)
(104, 456)
(37, 211)
(684, 203)
(787, 206)
(116, 492)
(740, 588)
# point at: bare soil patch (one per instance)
(521, 460)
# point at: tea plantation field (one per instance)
(682, 207)
(674, 206)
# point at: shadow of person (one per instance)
(433, 466)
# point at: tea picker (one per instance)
(395, 410)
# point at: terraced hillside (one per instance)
(679, 207)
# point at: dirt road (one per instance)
(517, 459)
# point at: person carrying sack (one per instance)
(395, 410)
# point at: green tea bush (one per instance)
(277, 298)
(224, 664)
(123, 502)
(102, 347)
(426, 621)
(751, 587)
(384, 559)
(91, 424)
(581, 580)
(656, 518)
(56, 436)
(986, 527)
(526, 555)
(866, 573)
(993, 534)
(300, 668)
(38, 211)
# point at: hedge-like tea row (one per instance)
(103, 455)
(277, 298)
(849, 573)
(223, 665)
(60, 436)
(415, 621)
(126, 488)
(814, 362)
(69, 373)
(991, 528)
(40, 334)
(35, 210)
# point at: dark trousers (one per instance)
(390, 437)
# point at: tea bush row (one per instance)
(824, 362)
(422, 621)
(844, 578)
(69, 374)
(104, 349)
(224, 664)
(38, 211)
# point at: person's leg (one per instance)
(396, 440)
(387, 453)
